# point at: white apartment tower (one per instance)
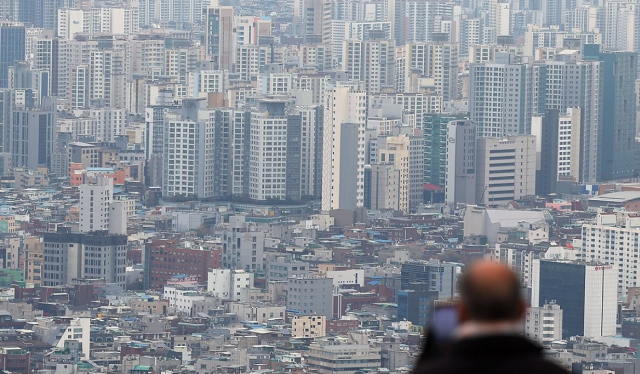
(371, 62)
(569, 129)
(406, 154)
(268, 156)
(437, 61)
(94, 205)
(613, 239)
(345, 118)
(98, 211)
(188, 151)
(498, 100)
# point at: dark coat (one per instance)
(496, 354)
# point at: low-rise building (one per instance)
(308, 326)
(327, 357)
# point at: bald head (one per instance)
(490, 292)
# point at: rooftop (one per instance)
(617, 197)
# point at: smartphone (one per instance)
(444, 323)
(441, 331)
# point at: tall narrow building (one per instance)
(218, 37)
(345, 117)
(12, 48)
(460, 163)
(98, 211)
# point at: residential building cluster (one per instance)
(217, 186)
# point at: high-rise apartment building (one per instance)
(311, 122)
(611, 239)
(405, 153)
(345, 115)
(470, 34)
(95, 201)
(188, 151)
(498, 99)
(505, 169)
(269, 159)
(97, 20)
(437, 61)
(370, 62)
(342, 30)
(250, 59)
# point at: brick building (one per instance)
(165, 258)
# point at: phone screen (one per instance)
(444, 322)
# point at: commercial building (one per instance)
(415, 305)
(182, 298)
(328, 358)
(12, 48)
(460, 163)
(480, 221)
(32, 135)
(381, 187)
(165, 258)
(586, 292)
(281, 269)
(69, 256)
(435, 129)
(505, 169)
(311, 295)
(618, 127)
(219, 38)
(439, 276)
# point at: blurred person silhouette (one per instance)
(488, 337)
